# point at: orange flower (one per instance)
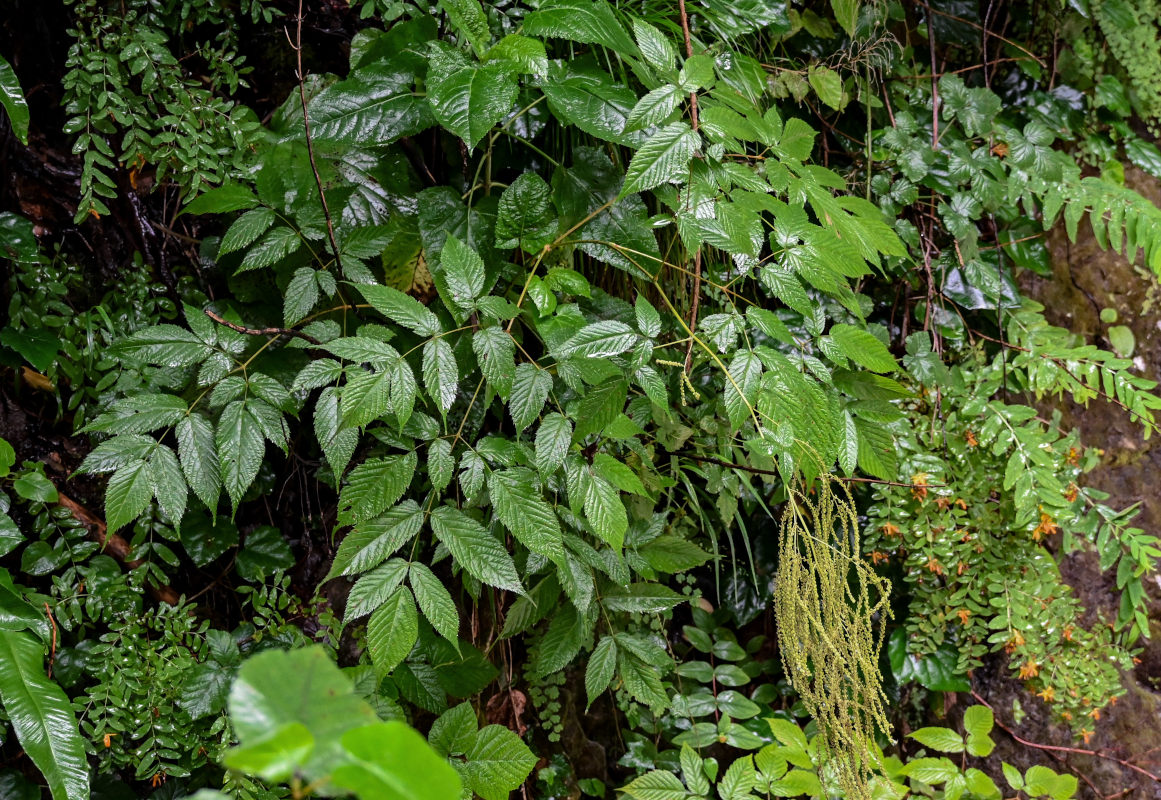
(1049, 694)
(1047, 527)
(889, 530)
(972, 441)
(961, 568)
(959, 501)
(157, 779)
(933, 565)
(963, 615)
(1030, 669)
(1072, 492)
(1086, 735)
(109, 740)
(1073, 456)
(1066, 715)
(879, 557)
(1095, 713)
(1000, 149)
(1016, 640)
(943, 503)
(919, 489)
(1068, 633)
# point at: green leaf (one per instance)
(435, 602)
(274, 246)
(827, 84)
(495, 351)
(944, 740)
(618, 474)
(657, 785)
(199, 458)
(440, 373)
(528, 54)
(372, 590)
(656, 47)
(392, 631)
(581, 21)
(654, 108)
(42, 717)
(441, 464)
(978, 720)
(455, 730)
(127, 494)
(601, 405)
(652, 598)
(664, 158)
(468, 19)
(587, 97)
(165, 346)
(276, 757)
(401, 309)
(520, 506)
(476, 550)
(264, 552)
(278, 687)
(34, 486)
(525, 218)
(225, 198)
(375, 106)
(373, 541)
(601, 667)
(240, 449)
(167, 484)
(605, 512)
(599, 340)
(497, 763)
(38, 347)
(846, 14)
(390, 760)
(246, 229)
(468, 99)
(530, 388)
(374, 486)
(206, 538)
(553, 439)
(863, 348)
(12, 98)
(464, 270)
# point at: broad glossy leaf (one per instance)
(401, 309)
(390, 760)
(581, 21)
(586, 96)
(377, 105)
(42, 717)
(468, 99)
(530, 389)
(497, 763)
(12, 98)
(525, 218)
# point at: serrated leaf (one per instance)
(863, 348)
(653, 108)
(240, 447)
(464, 270)
(199, 458)
(495, 351)
(497, 763)
(402, 309)
(374, 589)
(525, 218)
(524, 511)
(435, 602)
(374, 540)
(440, 464)
(651, 598)
(374, 486)
(392, 631)
(601, 668)
(375, 106)
(274, 246)
(978, 720)
(599, 340)
(581, 21)
(664, 158)
(440, 373)
(553, 439)
(468, 19)
(42, 717)
(530, 387)
(468, 99)
(605, 512)
(656, 47)
(656, 785)
(944, 740)
(168, 484)
(246, 229)
(127, 494)
(600, 405)
(474, 549)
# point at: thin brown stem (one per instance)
(310, 142)
(260, 331)
(1080, 751)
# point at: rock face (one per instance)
(1086, 280)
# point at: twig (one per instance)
(758, 471)
(1074, 750)
(309, 142)
(52, 648)
(260, 331)
(697, 256)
